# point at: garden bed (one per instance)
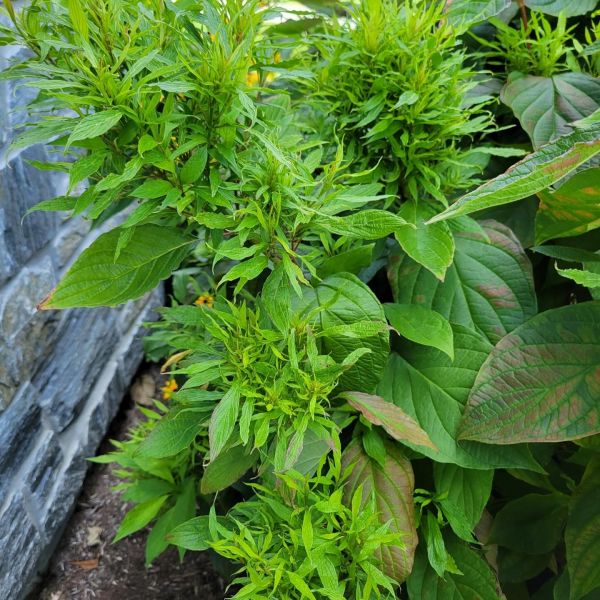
(87, 565)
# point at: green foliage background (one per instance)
(380, 219)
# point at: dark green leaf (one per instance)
(546, 105)
(476, 583)
(422, 325)
(192, 535)
(531, 524)
(467, 490)
(226, 469)
(344, 299)
(172, 434)
(139, 516)
(582, 536)
(481, 289)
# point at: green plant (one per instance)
(341, 327)
(392, 78)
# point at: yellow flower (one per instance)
(252, 78)
(168, 389)
(205, 300)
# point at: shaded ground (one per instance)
(87, 566)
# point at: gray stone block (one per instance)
(45, 465)
(26, 334)
(19, 428)
(66, 490)
(69, 239)
(21, 187)
(19, 300)
(18, 536)
(85, 343)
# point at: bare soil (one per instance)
(87, 566)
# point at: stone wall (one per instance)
(62, 373)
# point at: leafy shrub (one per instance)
(342, 327)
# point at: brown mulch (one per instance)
(87, 566)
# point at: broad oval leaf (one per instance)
(570, 8)
(345, 299)
(172, 434)
(541, 383)
(546, 105)
(531, 175)
(573, 209)
(464, 490)
(430, 245)
(422, 325)
(429, 387)
(389, 416)
(226, 469)
(98, 279)
(464, 13)
(582, 535)
(192, 535)
(530, 524)
(476, 582)
(489, 286)
(393, 487)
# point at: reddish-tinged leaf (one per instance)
(573, 209)
(389, 416)
(393, 487)
(541, 383)
(533, 174)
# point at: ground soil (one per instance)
(87, 566)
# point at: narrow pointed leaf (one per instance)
(531, 175)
